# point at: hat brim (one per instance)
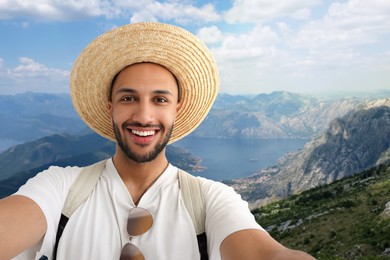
(170, 46)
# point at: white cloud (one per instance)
(182, 13)
(243, 59)
(30, 75)
(258, 11)
(52, 10)
(147, 10)
(210, 35)
(337, 50)
(354, 23)
(29, 68)
(256, 43)
(302, 14)
(143, 16)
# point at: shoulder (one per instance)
(222, 199)
(50, 186)
(216, 188)
(58, 177)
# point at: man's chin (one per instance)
(141, 152)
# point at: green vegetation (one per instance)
(337, 221)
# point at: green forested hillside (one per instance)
(343, 220)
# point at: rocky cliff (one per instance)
(352, 143)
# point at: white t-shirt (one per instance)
(97, 230)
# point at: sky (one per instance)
(260, 46)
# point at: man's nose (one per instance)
(144, 113)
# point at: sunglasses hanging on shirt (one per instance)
(139, 221)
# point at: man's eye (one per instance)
(128, 98)
(161, 100)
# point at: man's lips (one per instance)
(143, 133)
(142, 137)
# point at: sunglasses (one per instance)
(138, 222)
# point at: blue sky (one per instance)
(303, 46)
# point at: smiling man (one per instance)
(143, 106)
(143, 86)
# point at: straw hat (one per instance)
(172, 47)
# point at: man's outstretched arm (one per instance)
(252, 244)
(22, 224)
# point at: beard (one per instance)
(141, 158)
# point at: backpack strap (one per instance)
(83, 187)
(78, 193)
(195, 204)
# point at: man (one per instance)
(143, 85)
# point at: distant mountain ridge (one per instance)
(31, 103)
(30, 116)
(353, 143)
(275, 115)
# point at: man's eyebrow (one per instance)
(125, 90)
(163, 92)
(133, 91)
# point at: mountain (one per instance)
(275, 115)
(352, 143)
(30, 116)
(355, 140)
(21, 162)
(32, 103)
(48, 150)
(347, 219)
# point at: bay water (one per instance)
(226, 159)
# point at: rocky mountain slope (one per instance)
(353, 143)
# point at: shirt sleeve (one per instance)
(226, 213)
(49, 189)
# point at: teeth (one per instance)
(143, 133)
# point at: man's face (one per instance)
(143, 109)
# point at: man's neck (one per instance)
(139, 176)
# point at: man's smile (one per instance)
(143, 133)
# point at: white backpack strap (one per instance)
(193, 199)
(83, 187)
(78, 193)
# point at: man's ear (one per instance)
(178, 106)
(110, 107)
